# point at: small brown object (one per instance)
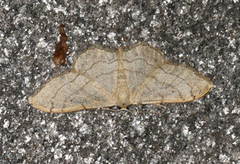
(61, 48)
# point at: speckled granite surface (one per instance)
(202, 34)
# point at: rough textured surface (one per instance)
(101, 78)
(202, 34)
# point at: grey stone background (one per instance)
(202, 34)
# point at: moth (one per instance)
(121, 77)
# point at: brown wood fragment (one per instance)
(61, 48)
